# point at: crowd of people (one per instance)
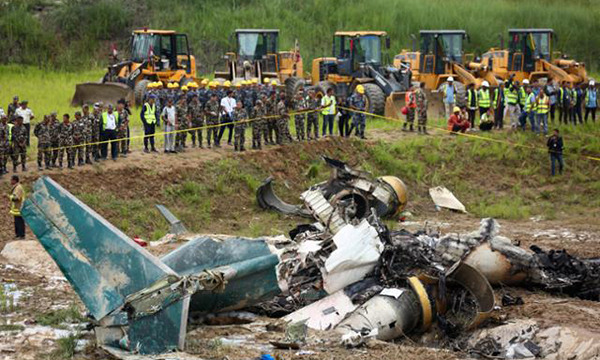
(204, 112)
(522, 105)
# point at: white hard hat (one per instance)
(450, 79)
(592, 83)
(485, 83)
(525, 82)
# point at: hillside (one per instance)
(75, 34)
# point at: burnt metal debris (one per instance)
(348, 195)
(345, 273)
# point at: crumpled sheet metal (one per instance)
(268, 200)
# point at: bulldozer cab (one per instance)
(353, 49)
(527, 46)
(439, 48)
(256, 44)
(166, 50)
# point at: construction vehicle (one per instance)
(257, 57)
(529, 56)
(441, 56)
(357, 60)
(155, 55)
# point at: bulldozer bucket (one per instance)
(108, 93)
(394, 104)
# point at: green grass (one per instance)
(65, 348)
(57, 318)
(11, 327)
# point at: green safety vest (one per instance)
(573, 96)
(543, 105)
(150, 113)
(329, 110)
(470, 97)
(511, 96)
(484, 98)
(587, 97)
(522, 96)
(530, 102)
(10, 126)
(105, 119)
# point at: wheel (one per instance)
(140, 90)
(292, 85)
(375, 99)
(323, 87)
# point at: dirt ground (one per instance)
(41, 288)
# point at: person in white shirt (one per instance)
(27, 115)
(228, 104)
(169, 117)
(110, 123)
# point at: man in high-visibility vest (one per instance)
(591, 100)
(511, 109)
(148, 116)
(109, 124)
(484, 100)
(523, 95)
(529, 110)
(16, 196)
(328, 103)
(542, 109)
(499, 106)
(472, 102)
(564, 101)
(411, 106)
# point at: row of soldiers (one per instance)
(78, 138)
(219, 108)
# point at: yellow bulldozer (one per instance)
(257, 57)
(530, 56)
(357, 60)
(155, 55)
(441, 56)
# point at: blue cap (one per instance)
(267, 357)
(152, 96)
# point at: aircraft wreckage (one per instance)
(351, 275)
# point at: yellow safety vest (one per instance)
(522, 96)
(484, 98)
(150, 113)
(329, 110)
(105, 119)
(530, 102)
(543, 105)
(510, 96)
(16, 200)
(10, 126)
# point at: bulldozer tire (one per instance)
(375, 99)
(292, 85)
(140, 91)
(322, 88)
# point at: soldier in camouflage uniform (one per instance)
(183, 121)
(312, 117)
(300, 106)
(211, 109)
(54, 131)
(19, 144)
(283, 121)
(422, 108)
(96, 118)
(5, 135)
(272, 119)
(88, 121)
(258, 124)
(240, 118)
(42, 132)
(122, 130)
(78, 139)
(65, 142)
(197, 116)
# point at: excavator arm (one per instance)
(571, 73)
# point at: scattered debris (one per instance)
(509, 300)
(443, 198)
(348, 195)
